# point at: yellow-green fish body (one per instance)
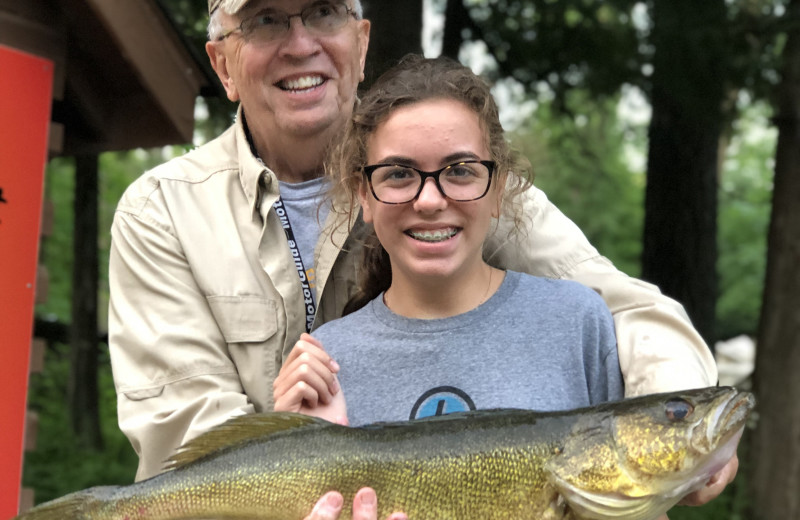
(631, 459)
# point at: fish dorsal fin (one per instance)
(241, 430)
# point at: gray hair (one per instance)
(215, 28)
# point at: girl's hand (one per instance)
(307, 383)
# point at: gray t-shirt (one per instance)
(536, 344)
(306, 214)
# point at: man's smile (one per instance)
(301, 83)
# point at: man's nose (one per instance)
(298, 40)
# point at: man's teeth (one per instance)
(433, 236)
(301, 83)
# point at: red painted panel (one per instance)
(25, 99)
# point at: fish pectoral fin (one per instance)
(588, 504)
(243, 429)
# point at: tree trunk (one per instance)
(680, 253)
(456, 19)
(396, 31)
(83, 387)
(776, 440)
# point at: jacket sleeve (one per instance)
(659, 349)
(172, 370)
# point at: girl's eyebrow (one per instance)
(460, 156)
(449, 159)
(396, 159)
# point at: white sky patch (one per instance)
(510, 95)
(200, 114)
(634, 110)
(432, 27)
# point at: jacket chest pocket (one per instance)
(245, 319)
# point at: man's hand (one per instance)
(365, 507)
(307, 383)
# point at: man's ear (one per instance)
(363, 44)
(219, 61)
(363, 199)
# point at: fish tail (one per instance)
(75, 506)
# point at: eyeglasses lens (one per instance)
(318, 18)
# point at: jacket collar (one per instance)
(260, 184)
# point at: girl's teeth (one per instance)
(433, 236)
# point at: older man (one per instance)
(219, 262)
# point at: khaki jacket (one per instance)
(206, 301)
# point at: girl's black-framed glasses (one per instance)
(463, 181)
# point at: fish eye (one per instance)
(678, 409)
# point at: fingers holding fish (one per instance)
(327, 508)
(365, 507)
(307, 378)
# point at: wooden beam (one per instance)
(149, 42)
(83, 386)
(28, 26)
(55, 143)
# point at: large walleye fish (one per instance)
(632, 459)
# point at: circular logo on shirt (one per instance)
(440, 401)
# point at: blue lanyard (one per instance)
(308, 295)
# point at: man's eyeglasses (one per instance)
(461, 182)
(271, 24)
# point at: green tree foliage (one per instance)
(59, 465)
(582, 164)
(565, 43)
(744, 202)
(591, 167)
(56, 250)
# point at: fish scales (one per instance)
(415, 474)
(632, 459)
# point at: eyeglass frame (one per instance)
(370, 169)
(240, 27)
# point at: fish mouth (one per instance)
(730, 416)
(725, 429)
(433, 235)
(301, 83)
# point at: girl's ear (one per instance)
(363, 199)
(497, 193)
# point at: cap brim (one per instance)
(229, 6)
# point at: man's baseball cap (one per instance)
(230, 6)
